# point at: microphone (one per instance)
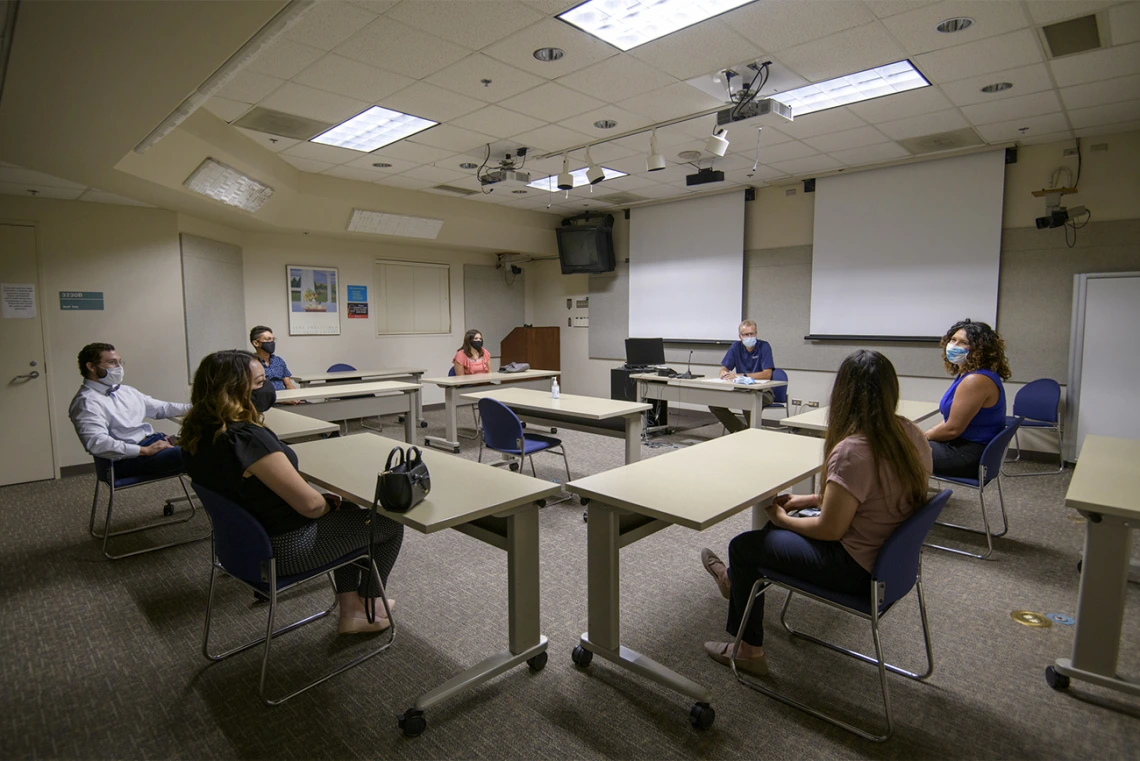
(689, 370)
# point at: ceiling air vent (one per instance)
(621, 199)
(277, 123)
(1072, 36)
(943, 141)
(454, 190)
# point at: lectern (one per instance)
(538, 347)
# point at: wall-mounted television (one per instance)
(586, 245)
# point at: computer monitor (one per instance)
(642, 352)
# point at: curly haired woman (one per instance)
(973, 408)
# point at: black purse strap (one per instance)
(414, 458)
(395, 451)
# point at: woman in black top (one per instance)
(227, 448)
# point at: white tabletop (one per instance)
(816, 420)
(290, 425)
(1107, 479)
(713, 382)
(587, 407)
(703, 484)
(390, 372)
(485, 378)
(313, 393)
(461, 490)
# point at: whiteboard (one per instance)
(686, 268)
(907, 251)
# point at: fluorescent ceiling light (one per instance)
(862, 85)
(380, 223)
(228, 185)
(579, 175)
(625, 24)
(373, 129)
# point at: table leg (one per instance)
(450, 397)
(419, 397)
(410, 419)
(633, 428)
(757, 409)
(760, 515)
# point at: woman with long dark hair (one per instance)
(876, 469)
(227, 448)
(472, 358)
(973, 408)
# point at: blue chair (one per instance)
(897, 570)
(989, 469)
(1038, 405)
(105, 475)
(341, 367)
(241, 548)
(780, 392)
(474, 411)
(503, 432)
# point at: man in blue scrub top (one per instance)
(749, 356)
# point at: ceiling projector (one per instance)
(704, 176)
(777, 111)
(506, 173)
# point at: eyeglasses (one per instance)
(747, 335)
(113, 363)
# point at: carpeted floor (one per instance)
(102, 660)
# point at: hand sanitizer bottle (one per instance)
(554, 389)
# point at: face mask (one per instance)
(956, 355)
(268, 346)
(263, 398)
(749, 342)
(113, 376)
(476, 345)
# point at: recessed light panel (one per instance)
(625, 24)
(228, 185)
(579, 175)
(373, 129)
(379, 223)
(853, 88)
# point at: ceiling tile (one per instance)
(390, 45)
(474, 24)
(454, 139)
(780, 24)
(666, 137)
(1003, 132)
(633, 166)
(352, 79)
(102, 196)
(807, 165)
(315, 104)
(885, 8)
(1109, 129)
(631, 181)
(552, 138)
(408, 183)
(226, 110)
(677, 99)
(750, 176)
(1096, 64)
(1124, 23)
(1035, 104)
(308, 165)
(852, 138)
(434, 174)
(584, 123)
(849, 51)
(821, 123)
(1101, 93)
(18, 176)
(466, 77)
(900, 105)
(1049, 11)
(431, 102)
(768, 137)
(870, 154)
(581, 50)
(406, 150)
(612, 151)
(699, 49)
(41, 191)
(659, 190)
(925, 124)
(1052, 137)
(617, 78)
(1109, 114)
(366, 162)
(497, 121)
(284, 59)
(1007, 51)
(788, 151)
(377, 7)
(249, 87)
(551, 102)
(1025, 80)
(915, 29)
(352, 173)
(328, 24)
(273, 143)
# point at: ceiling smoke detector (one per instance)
(547, 55)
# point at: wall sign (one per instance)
(357, 301)
(17, 301)
(313, 303)
(71, 300)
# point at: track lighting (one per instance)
(717, 143)
(594, 174)
(565, 180)
(655, 162)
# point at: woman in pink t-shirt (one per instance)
(877, 467)
(472, 358)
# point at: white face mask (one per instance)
(114, 376)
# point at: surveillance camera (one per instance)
(516, 270)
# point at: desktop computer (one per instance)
(624, 388)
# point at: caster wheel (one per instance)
(524, 425)
(554, 430)
(455, 450)
(400, 419)
(702, 715)
(540, 502)
(585, 516)
(1055, 680)
(412, 723)
(168, 510)
(423, 423)
(581, 656)
(1080, 564)
(538, 662)
(514, 466)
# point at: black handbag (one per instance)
(404, 483)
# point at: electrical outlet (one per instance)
(797, 402)
(581, 322)
(813, 404)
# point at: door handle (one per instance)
(29, 376)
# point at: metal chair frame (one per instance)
(787, 403)
(107, 533)
(1042, 425)
(474, 415)
(520, 444)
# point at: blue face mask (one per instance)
(956, 355)
(749, 342)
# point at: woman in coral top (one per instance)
(472, 358)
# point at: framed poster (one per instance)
(313, 301)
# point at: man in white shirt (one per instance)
(110, 418)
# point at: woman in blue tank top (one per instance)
(973, 408)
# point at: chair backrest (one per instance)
(102, 469)
(1038, 400)
(780, 392)
(240, 542)
(994, 452)
(502, 428)
(340, 367)
(897, 563)
(451, 372)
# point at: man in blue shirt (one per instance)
(276, 371)
(748, 356)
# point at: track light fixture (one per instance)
(594, 174)
(655, 162)
(565, 180)
(717, 143)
